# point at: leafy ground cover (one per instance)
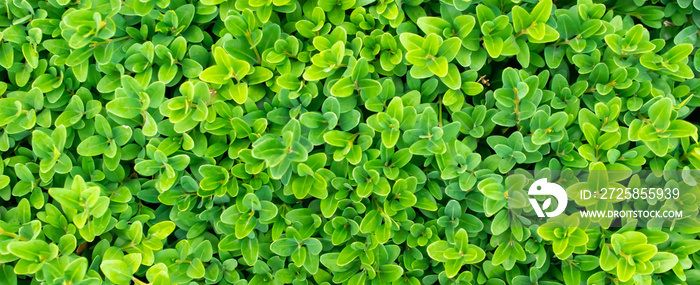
(337, 142)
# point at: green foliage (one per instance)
(339, 142)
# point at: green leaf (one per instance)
(681, 129)
(521, 18)
(643, 252)
(7, 274)
(92, 146)
(245, 225)
(664, 261)
(284, 247)
(250, 249)
(161, 230)
(493, 46)
(217, 74)
(432, 25)
(660, 113)
(343, 87)
(10, 109)
(371, 222)
(625, 271)
(438, 66)
(347, 255)
(196, 269)
(33, 250)
(117, 271)
(452, 79)
(125, 107)
(7, 55)
(572, 275)
(541, 12)
(678, 53)
(239, 92)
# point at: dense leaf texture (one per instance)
(338, 142)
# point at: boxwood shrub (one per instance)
(337, 141)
